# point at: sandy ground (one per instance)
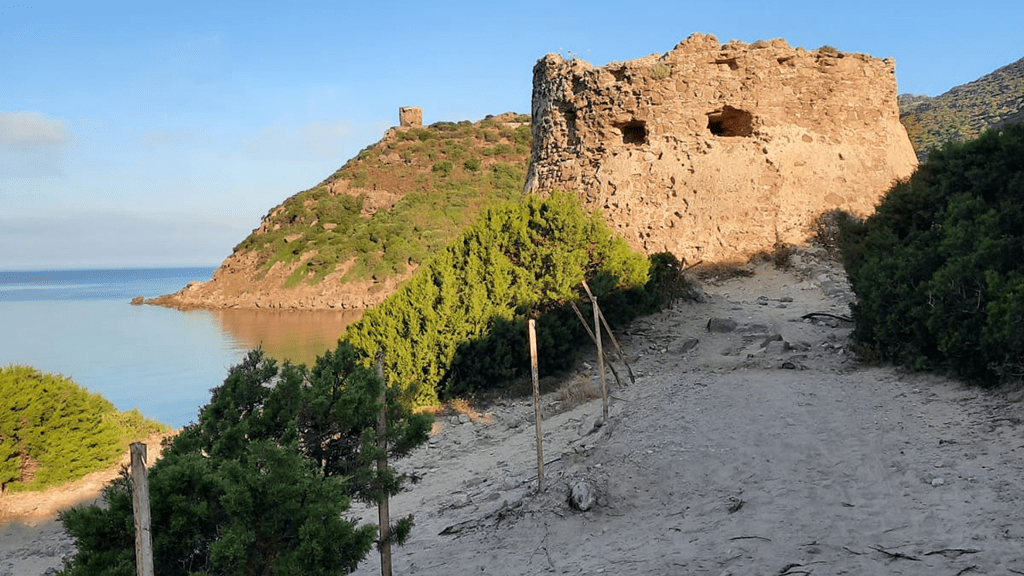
(32, 541)
(762, 447)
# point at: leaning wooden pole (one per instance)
(618, 349)
(383, 513)
(536, 404)
(594, 338)
(140, 506)
(600, 355)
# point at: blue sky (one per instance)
(159, 133)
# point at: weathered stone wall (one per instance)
(714, 152)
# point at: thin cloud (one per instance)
(31, 130)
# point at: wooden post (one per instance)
(608, 328)
(383, 513)
(600, 355)
(536, 404)
(594, 338)
(140, 506)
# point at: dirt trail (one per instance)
(735, 452)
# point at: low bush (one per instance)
(938, 269)
(53, 431)
(458, 323)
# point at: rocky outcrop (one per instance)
(715, 152)
(233, 286)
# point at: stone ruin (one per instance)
(410, 116)
(716, 152)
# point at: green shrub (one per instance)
(53, 431)
(260, 484)
(938, 271)
(442, 168)
(521, 260)
(473, 164)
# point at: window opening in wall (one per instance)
(633, 132)
(730, 62)
(569, 115)
(731, 121)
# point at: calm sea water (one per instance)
(164, 362)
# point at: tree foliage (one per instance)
(524, 259)
(260, 483)
(939, 268)
(53, 431)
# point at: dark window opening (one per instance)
(731, 62)
(633, 132)
(569, 115)
(731, 121)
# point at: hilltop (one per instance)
(964, 112)
(348, 241)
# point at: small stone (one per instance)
(777, 347)
(464, 418)
(721, 325)
(688, 344)
(581, 495)
(460, 500)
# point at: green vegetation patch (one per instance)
(966, 111)
(459, 322)
(440, 177)
(938, 269)
(261, 483)
(53, 431)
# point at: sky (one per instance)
(138, 134)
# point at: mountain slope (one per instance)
(964, 112)
(347, 242)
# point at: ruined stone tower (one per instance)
(714, 152)
(410, 116)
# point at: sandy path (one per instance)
(764, 449)
(721, 461)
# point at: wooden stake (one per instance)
(140, 507)
(594, 338)
(536, 404)
(600, 355)
(618, 349)
(383, 513)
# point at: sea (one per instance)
(161, 361)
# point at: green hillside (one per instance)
(396, 202)
(963, 113)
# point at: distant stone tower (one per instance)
(410, 116)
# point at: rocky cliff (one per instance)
(715, 152)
